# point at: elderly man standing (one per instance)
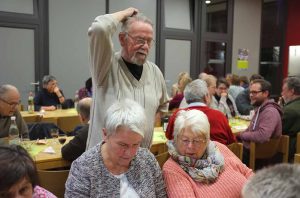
(197, 96)
(125, 74)
(77, 145)
(291, 111)
(266, 122)
(9, 101)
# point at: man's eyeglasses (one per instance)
(9, 103)
(141, 41)
(255, 92)
(194, 142)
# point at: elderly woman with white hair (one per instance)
(118, 166)
(199, 167)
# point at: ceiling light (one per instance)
(207, 1)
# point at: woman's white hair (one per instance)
(194, 119)
(126, 113)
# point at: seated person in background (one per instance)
(277, 181)
(242, 100)
(9, 101)
(244, 82)
(76, 146)
(199, 167)
(87, 90)
(266, 122)
(197, 97)
(175, 87)
(224, 101)
(176, 100)
(291, 111)
(49, 96)
(18, 175)
(235, 88)
(118, 166)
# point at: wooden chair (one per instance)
(268, 149)
(297, 158)
(162, 158)
(54, 181)
(159, 148)
(237, 149)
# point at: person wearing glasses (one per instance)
(199, 167)
(50, 96)
(118, 166)
(266, 122)
(124, 74)
(9, 101)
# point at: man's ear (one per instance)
(207, 99)
(122, 38)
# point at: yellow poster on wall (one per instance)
(242, 64)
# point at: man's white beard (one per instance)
(137, 61)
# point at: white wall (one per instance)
(68, 41)
(246, 34)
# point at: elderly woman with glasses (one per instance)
(199, 167)
(118, 166)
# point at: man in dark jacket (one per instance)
(291, 111)
(76, 146)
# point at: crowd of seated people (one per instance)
(200, 163)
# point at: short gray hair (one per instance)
(126, 113)
(293, 83)
(84, 106)
(4, 89)
(281, 180)
(195, 119)
(137, 17)
(195, 91)
(47, 79)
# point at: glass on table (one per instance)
(62, 138)
(54, 132)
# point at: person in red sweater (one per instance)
(197, 97)
(199, 167)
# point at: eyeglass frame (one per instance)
(10, 104)
(255, 92)
(195, 142)
(141, 41)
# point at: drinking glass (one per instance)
(54, 134)
(62, 138)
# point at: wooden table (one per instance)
(238, 125)
(65, 119)
(45, 160)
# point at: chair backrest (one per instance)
(162, 158)
(159, 148)
(297, 158)
(54, 181)
(237, 149)
(298, 143)
(268, 149)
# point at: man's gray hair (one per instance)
(195, 91)
(4, 89)
(278, 181)
(84, 106)
(293, 83)
(195, 119)
(47, 79)
(126, 113)
(138, 17)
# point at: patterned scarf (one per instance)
(206, 169)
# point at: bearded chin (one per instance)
(138, 61)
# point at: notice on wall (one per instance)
(242, 62)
